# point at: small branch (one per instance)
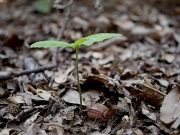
(59, 37)
(65, 23)
(10, 75)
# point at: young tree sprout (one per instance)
(86, 41)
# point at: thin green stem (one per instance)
(78, 82)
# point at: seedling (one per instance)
(86, 41)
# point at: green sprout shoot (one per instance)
(86, 41)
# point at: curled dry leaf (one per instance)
(112, 84)
(147, 113)
(151, 93)
(171, 107)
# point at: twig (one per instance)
(59, 37)
(10, 75)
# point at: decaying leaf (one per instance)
(151, 93)
(137, 131)
(56, 130)
(122, 106)
(60, 77)
(168, 57)
(44, 94)
(13, 109)
(147, 113)
(68, 113)
(72, 96)
(171, 107)
(111, 71)
(90, 96)
(6, 131)
(110, 83)
(30, 120)
(15, 99)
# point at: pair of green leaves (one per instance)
(86, 41)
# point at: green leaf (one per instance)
(43, 6)
(48, 44)
(98, 38)
(79, 41)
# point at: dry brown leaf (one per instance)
(90, 96)
(147, 113)
(171, 107)
(15, 100)
(5, 131)
(56, 130)
(44, 94)
(124, 24)
(72, 96)
(107, 81)
(151, 93)
(4, 93)
(60, 77)
(168, 57)
(137, 131)
(26, 97)
(68, 113)
(110, 58)
(30, 120)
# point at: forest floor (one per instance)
(136, 76)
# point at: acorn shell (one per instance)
(97, 111)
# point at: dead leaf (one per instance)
(44, 94)
(141, 30)
(168, 57)
(151, 93)
(68, 113)
(171, 107)
(4, 93)
(60, 77)
(147, 113)
(14, 42)
(124, 24)
(30, 120)
(6, 131)
(15, 100)
(110, 58)
(137, 131)
(112, 84)
(122, 106)
(90, 96)
(80, 23)
(56, 130)
(72, 96)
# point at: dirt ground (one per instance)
(136, 77)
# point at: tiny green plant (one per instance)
(86, 41)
